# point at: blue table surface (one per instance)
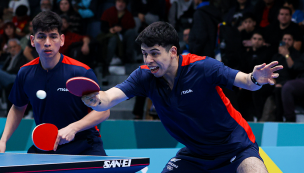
(14, 159)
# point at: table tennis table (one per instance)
(32, 163)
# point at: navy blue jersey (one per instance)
(195, 112)
(60, 107)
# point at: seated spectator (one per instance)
(286, 56)
(118, 34)
(11, 66)
(247, 28)
(65, 7)
(266, 11)
(235, 14)
(181, 13)
(21, 20)
(185, 49)
(275, 31)
(83, 8)
(74, 39)
(146, 12)
(24, 40)
(297, 15)
(13, 4)
(257, 54)
(293, 91)
(9, 33)
(46, 5)
(203, 33)
(29, 52)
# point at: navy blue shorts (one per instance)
(87, 145)
(184, 161)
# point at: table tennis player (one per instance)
(185, 90)
(77, 133)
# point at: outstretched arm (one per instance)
(104, 100)
(262, 74)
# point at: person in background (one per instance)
(82, 51)
(75, 20)
(9, 32)
(287, 56)
(293, 91)
(12, 64)
(275, 31)
(185, 48)
(297, 15)
(118, 34)
(21, 21)
(266, 11)
(181, 13)
(236, 13)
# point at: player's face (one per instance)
(157, 58)
(47, 43)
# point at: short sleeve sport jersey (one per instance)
(60, 107)
(195, 112)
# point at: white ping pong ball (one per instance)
(41, 94)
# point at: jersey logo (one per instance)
(175, 160)
(117, 163)
(62, 89)
(186, 91)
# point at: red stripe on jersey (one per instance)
(33, 62)
(144, 67)
(89, 110)
(235, 114)
(191, 58)
(71, 61)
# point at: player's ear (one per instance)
(173, 51)
(62, 37)
(32, 40)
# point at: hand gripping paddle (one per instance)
(44, 136)
(80, 86)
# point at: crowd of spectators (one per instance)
(240, 33)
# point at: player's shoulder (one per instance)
(141, 72)
(31, 63)
(191, 59)
(70, 61)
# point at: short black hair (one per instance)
(294, 3)
(21, 10)
(258, 32)
(47, 21)
(248, 15)
(159, 33)
(288, 33)
(286, 8)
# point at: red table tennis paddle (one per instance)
(80, 86)
(44, 136)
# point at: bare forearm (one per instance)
(92, 119)
(12, 122)
(243, 80)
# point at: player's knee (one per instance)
(252, 165)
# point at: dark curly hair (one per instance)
(47, 21)
(159, 33)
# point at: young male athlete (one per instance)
(186, 93)
(49, 72)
